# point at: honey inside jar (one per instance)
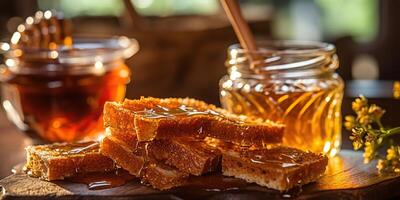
(295, 83)
(58, 95)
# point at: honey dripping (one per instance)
(142, 149)
(105, 180)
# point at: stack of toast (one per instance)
(165, 142)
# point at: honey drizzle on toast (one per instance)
(83, 149)
(181, 111)
(281, 161)
(71, 148)
(145, 154)
(258, 156)
(161, 112)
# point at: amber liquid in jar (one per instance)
(62, 107)
(309, 105)
(309, 116)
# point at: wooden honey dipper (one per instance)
(241, 29)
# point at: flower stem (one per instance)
(380, 124)
(392, 131)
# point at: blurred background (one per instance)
(183, 43)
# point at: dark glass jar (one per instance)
(58, 95)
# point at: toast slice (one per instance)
(154, 118)
(186, 154)
(157, 174)
(280, 168)
(62, 160)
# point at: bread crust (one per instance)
(274, 171)
(242, 130)
(50, 162)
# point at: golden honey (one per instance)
(295, 84)
(60, 98)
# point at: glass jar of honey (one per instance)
(57, 95)
(291, 82)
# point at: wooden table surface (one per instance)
(12, 146)
(346, 177)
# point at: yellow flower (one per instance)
(359, 103)
(397, 170)
(371, 136)
(396, 89)
(349, 122)
(365, 120)
(356, 144)
(376, 111)
(369, 152)
(368, 132)
(363, 116)
(356, 137)
(381, 165)
(392, 154)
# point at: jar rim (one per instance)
(282, 58)
(286, 47)
(84, 50)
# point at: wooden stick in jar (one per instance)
(133, 14)
(240, 27)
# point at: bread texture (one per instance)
(156, 174)
(62, 160)
(186, 154)
(152, 118)
(280, 168)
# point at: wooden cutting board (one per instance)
(346, 178)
